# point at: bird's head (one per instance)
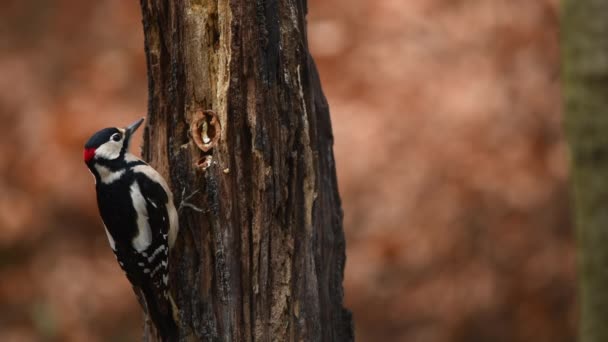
(109, 144)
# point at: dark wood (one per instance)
(264, 261)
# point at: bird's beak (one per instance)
(129, 130)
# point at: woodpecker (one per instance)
(140, 219)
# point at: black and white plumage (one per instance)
(136, 206)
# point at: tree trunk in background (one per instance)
(585, 52)
(236, 112)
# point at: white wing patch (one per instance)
(108, 176)
(144, 235)
(173, 219)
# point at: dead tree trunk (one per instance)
(585, 73)
(236, 112)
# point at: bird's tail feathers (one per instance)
(161, 309)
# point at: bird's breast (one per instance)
(116, 208)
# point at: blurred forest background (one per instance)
(450, 153)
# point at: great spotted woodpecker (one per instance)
(136, 206)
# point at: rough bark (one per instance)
(585, 51)
(264, 261)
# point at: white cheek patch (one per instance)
(109, 150)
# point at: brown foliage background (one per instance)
(451, 163)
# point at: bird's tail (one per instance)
(160, 308)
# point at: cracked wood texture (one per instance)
(264, 260)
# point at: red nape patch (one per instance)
(89, 153)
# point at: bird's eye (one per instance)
(116, 137)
